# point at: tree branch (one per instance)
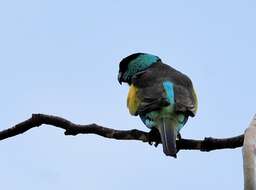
(70, 128)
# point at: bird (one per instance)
(163, 97)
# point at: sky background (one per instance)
(61, 57)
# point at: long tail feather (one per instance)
(168, 133)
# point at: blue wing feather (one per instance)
(169, 89)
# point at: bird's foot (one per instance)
(179, 136)
(154, 136)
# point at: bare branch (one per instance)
(70, 128)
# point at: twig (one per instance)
(70, 128)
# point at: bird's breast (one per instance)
(132, 100)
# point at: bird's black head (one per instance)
(133, 64)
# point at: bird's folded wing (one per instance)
(150, 94)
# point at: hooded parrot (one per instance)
(161, 96)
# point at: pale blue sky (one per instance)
(61, 57)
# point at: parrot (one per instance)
(160, 95)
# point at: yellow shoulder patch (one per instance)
(132, 100)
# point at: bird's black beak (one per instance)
(120, 78)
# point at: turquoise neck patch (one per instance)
(140, 63)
